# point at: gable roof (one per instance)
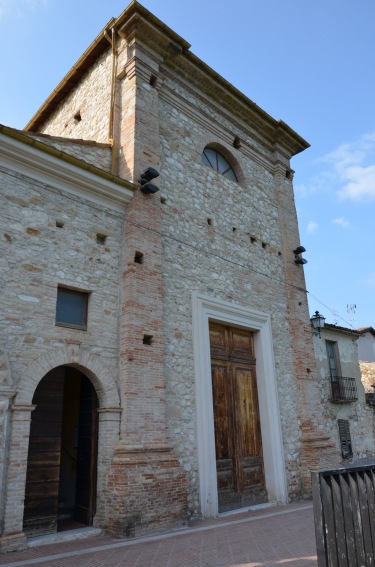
(135, 19)
(337, 328)
(370, 330)
(71, 79)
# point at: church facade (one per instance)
(156, 352)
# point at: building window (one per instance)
(334, 369)
(345, 439)
(71, 308)
(212, 158)
(343, 388)
(333, 359)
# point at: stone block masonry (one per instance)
(89, 102)
(144, 263)
(49, 238)
(40, 255)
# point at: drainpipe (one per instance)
(111, 136)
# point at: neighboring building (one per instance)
(342, 393)
(366, 355)
(156, 354)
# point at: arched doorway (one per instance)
(61, 468)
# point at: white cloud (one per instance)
(304, 190)
(361, 184)
(312, 227)
(320, 183)
(17, 8)
(354, 165)
(341, 221)
(349, 171)
(370, 281)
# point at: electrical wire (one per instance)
(207, 253)
(244, 266)
(334, 312)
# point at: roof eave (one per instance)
(25, 139)
(96, 48)
(344, 330)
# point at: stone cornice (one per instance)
(202, 78)
(53, 167)
(138, 23)
(218, 129)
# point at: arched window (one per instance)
(212, 158)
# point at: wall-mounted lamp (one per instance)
(317, 322)
(298, 255)
(148, 175)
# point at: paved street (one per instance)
(270, 537)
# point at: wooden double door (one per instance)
(239, 461)
(61, 467)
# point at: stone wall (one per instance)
(359, 414)
(49, 238)
(233, 241)
(367, 375)
(223, 239)
(37, 256)
(203, 233)
(99, 155)
(90, 102)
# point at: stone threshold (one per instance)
(61, 537)
(250, 508)
(251, 514)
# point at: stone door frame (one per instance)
(207, 309)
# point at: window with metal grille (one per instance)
(345, 439)
(343, 388)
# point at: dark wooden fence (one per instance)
(344, 512)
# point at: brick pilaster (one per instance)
(313, 442)
(146, 484)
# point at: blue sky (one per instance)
(309, 63)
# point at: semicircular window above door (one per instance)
(214, 159)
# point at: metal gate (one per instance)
(344, 512)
